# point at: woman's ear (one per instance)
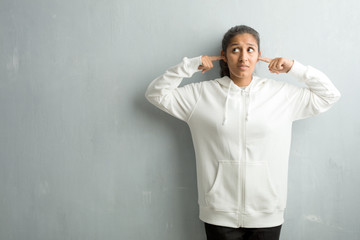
(223, 54)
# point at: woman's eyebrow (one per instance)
(251, 44)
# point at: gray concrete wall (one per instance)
(83, 155)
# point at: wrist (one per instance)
(291, 65)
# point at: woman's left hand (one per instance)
(278, 65)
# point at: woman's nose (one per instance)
(242, 57)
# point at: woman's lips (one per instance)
(243, 67)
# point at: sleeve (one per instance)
(165, 93)
(319, 95)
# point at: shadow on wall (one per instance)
(180, 195)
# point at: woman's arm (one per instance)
(319, 95)
(164, 93)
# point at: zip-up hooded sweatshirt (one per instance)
(241, 137)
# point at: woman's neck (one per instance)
(241, 82)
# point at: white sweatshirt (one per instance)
(241, 137)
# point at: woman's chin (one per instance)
(241, 75)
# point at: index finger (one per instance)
(215, 58)
(268, 60)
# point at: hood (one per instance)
(255, 84)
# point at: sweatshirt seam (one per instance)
(196, 103)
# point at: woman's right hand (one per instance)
(207, 62)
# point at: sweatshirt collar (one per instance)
(232, 87)
(226, 82)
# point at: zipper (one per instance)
(240, 218)
(243, 156)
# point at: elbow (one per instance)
(337, 96)
(152, 98)
(149, 95)
(333, 97)
(323, 104)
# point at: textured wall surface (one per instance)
(83, 155)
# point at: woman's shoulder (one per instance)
(269, 83)
(212, 82)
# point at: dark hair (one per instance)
(232, 32)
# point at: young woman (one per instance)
(241, 130)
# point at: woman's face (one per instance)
(241, 56)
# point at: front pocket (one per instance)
(223, 195)
(260, 195)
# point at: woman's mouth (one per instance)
(243, 67)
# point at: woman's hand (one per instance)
(207, 62)
(278, 65)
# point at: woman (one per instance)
(241, 130)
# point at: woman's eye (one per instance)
(235, 50)
(250, 50)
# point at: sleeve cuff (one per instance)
(298, 70)
(192, 64)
